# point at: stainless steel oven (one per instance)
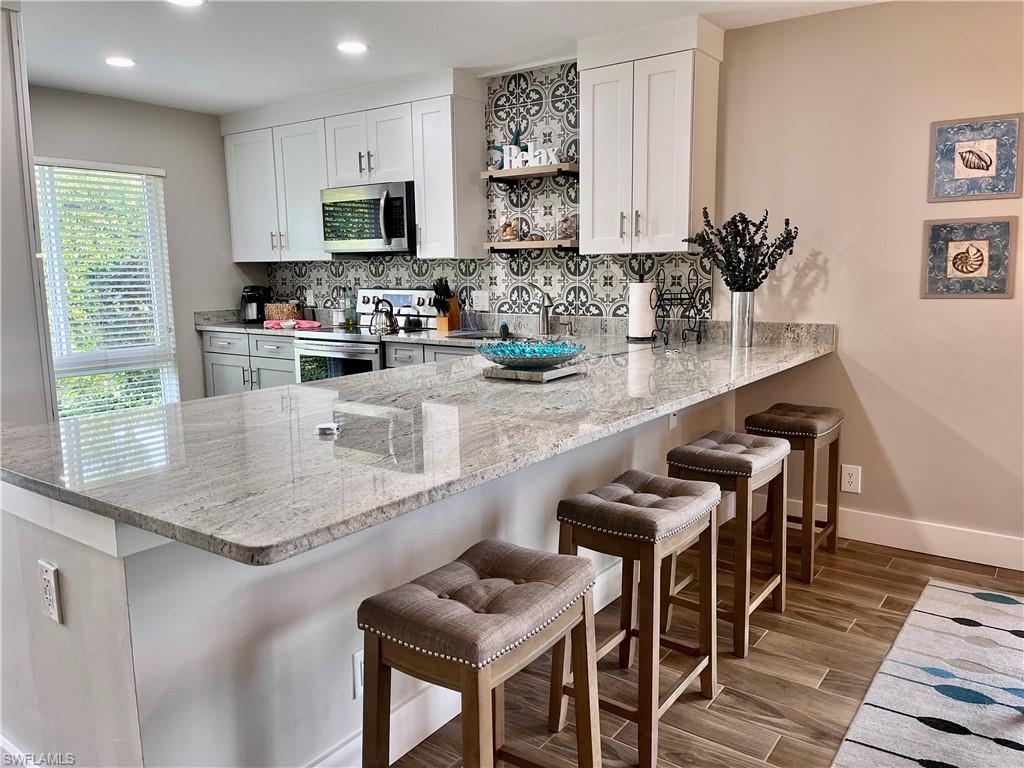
(369, 218)
(317, 359)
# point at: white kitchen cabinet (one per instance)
(346, 150)
(252, 195)
(389, 144)
(300, 164)
(374, 146)
(451, 202)
(647, 149)
(606, 159)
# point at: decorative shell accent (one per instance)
(536, 237)
(509, 230)
(975, 159)
(969, 260)
(566, 229)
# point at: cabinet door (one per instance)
(346, 150)
(389, 143)
(268, 372)
(252, 195)
(662, 98)
(300, 161)
(606, 156)
(434, 177)
(438, 354)
(398, 355)
(225, 374)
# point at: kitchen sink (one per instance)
(487, 335)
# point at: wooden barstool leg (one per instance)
(498, 715)
(376, 704)
(558, 702)
(807, 529)
(584, 668)
(777, 497)
(649, 646)
(668, 581)
(627, 613)
(741, 566)
(832, 540)
(477, 725)
(708, 621)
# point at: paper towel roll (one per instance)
(641, 310)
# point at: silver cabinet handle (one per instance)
(360, 162)
(369, 161)
(273, 241)
(282, 239)
(222, 343)
(271, 346)
(254, 375)
(622, 225)
(245, 377)
(383, 223)
(636, 223)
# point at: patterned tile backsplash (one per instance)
(542, 104)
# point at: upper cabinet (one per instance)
(274, 180)
(252, 195)
(641, 123)
(374, 146)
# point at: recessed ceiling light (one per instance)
(352, 46)
(189, 3)
(120, 61)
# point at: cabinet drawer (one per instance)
(271, 346)
(437, 354)
(228, 343)
(398, 355)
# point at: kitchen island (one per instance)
(230, 664)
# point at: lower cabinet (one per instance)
(227, 373)
(437, 354)
(398, 355)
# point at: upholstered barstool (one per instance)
(808, 428)
(643, 518)
(469, 626)
(743, 463)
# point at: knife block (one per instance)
(453, 320)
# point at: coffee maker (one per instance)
(254, 299)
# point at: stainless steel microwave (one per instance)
(369, 218)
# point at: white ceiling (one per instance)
(227, 55)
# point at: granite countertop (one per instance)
(236, 327)
(246, 477)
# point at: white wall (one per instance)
(825, 119)
(188, 146)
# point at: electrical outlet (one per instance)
(850, 478)
(481, 300)
(357, 674)
(673, 421)
(51, 590)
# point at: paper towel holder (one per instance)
(648, 315)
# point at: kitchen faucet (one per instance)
(544, 312)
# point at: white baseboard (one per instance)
(996, 549)
(432, 707)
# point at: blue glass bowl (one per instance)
(530, 354)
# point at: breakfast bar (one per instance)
(231, 664)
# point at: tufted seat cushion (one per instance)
(789, 420)
(491, 599)
(730, 453)
(639, 505)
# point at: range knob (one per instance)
(420, 301)
(366, 300)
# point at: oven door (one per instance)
(318, 360)
(369, 218)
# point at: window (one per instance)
(108, 288)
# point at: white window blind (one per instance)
(108, 288)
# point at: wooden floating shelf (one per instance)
(512, 175)
(522, 245)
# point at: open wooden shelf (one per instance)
(512, 175)
(521, 245)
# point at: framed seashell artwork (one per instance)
(969, 258)
(976, 159)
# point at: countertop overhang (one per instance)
(247, 477)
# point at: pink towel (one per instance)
(300, 325)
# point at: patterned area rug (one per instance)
(950, 694)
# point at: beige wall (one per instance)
(825, 119)
(189, 147)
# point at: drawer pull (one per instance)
(271, 346)
(222, 343)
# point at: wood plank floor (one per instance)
(788, 703)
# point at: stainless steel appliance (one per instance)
(252, 308)
(382, 321)
(369, 218)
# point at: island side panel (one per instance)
(239, 665)
(67, 688)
